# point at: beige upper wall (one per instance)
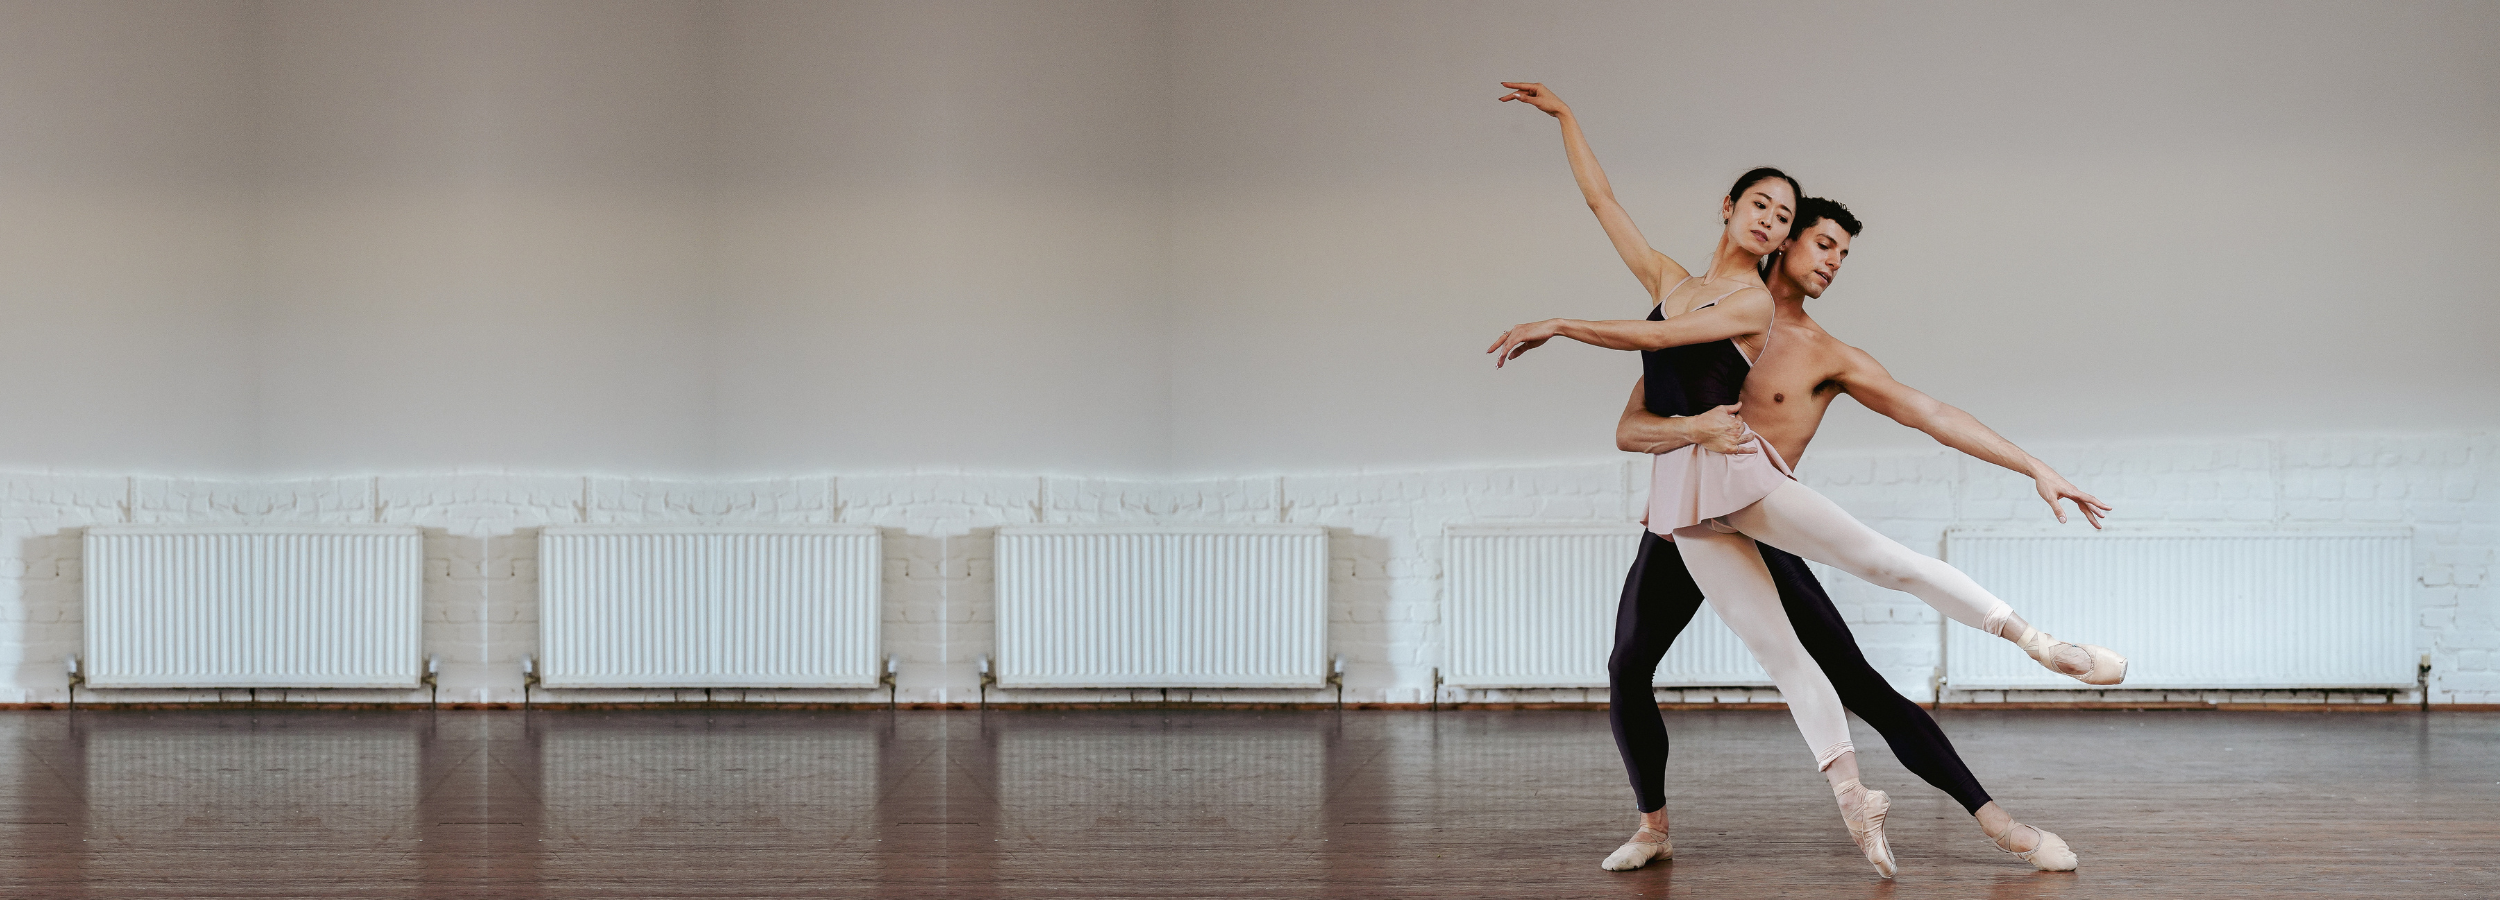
(675, 238)
(125, 203)
(486, 236)
(943, 237)
(2084, 220)
(1141, 237)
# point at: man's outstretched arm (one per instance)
(1642, 431)
(1864, 378)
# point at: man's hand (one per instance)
(2054, 487)
(1535, 95)
(1521, 339)
(1721, 430)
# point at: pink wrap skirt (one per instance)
(1689, 485)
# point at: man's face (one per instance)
(1814, 256)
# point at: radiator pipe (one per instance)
(2422, 676)
(892, 693)
(433, 689)
(1336, 676)
(987, 678)
(77, 678)
(529, 678)
(1436, 689)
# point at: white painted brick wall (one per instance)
(1384, 535)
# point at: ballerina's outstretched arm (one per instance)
(1655, 270)
(1746, 312)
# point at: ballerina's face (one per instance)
(1757, 220)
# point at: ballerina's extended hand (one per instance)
(1521, 339)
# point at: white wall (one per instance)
(1385, 580)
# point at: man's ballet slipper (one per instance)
(2107, 666)
(1867, 827)
(1636, 853)
(2050, 855)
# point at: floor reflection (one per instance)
(1186, 802)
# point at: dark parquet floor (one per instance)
(1149, 803)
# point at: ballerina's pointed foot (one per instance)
(2097, 664)
(1866, 826)
(2048, 852)
(1647, 845)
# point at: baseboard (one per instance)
(2083, 706)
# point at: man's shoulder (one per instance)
(1835, 356)
(1848, 360)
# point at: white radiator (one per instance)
(207, 607)
(1126, 607)
(1534, 606)
(639, 607)
(2240, 609)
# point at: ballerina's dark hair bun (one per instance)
(1747, 180)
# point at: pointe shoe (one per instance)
(1636, 853)
(2049, 855)
(2107, 666)
(1867, 827)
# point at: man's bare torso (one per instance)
(1794, 382)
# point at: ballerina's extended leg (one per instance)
(1796, 519)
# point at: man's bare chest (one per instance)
(1797, 378)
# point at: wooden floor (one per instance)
(1215, 804)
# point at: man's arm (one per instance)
(1642, 431)
(1864, 378)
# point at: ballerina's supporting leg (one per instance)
(1796, 519)
(1730, 571)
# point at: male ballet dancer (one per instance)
(1783, 399)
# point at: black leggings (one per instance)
(1659, 599)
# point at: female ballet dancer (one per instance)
(1720, 316)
